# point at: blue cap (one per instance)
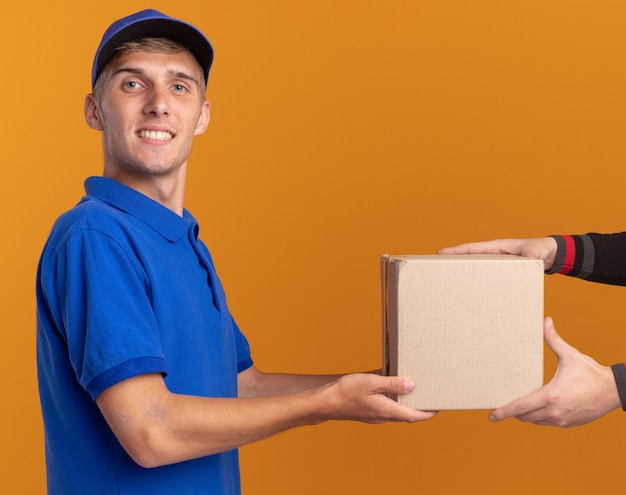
(152, 24)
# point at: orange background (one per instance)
(342, 130)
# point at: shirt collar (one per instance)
(154, 214)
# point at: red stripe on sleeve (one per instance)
(570, 254)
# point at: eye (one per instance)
(179, 88)
(131, 85)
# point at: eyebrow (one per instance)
(170, 73)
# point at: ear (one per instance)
(203, 120)
(92, 114)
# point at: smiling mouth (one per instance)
(155, 135)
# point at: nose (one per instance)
(156, 102)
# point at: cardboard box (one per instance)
(467, 328)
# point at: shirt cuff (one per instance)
(128, 369)
(559, 259)
(619, 371)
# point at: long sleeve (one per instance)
(594, 257)
(597, 258)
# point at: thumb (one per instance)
(399, 386)
(553, 339)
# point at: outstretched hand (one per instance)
(581, 390)
(362, 397)
(541, 248)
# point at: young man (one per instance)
(147, 384)
(582, 390)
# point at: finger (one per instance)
(485, 247)
(401, 412)
(468, 248)
(411, 414)
(525, 405)
(424, 415)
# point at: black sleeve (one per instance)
(610, 258)
(594, 257)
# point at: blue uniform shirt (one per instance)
(125, 287)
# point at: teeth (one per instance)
(156, 135)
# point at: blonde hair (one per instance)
(151, 45)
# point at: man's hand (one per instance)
(361, 397)
(541, 248)
(580, 392)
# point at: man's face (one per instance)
(150, 109)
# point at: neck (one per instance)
(166, 190)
